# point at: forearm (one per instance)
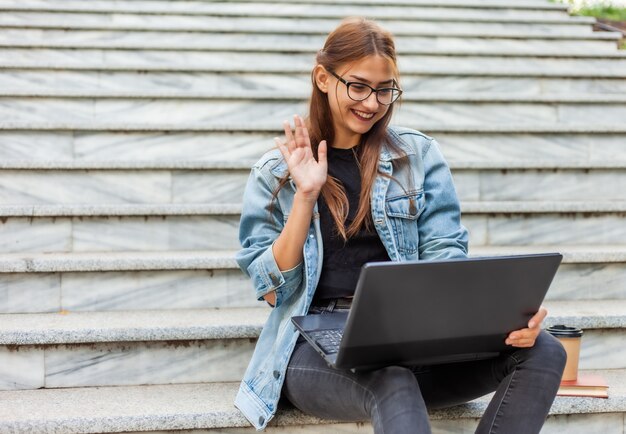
(288, 247)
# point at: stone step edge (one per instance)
(286, 70)
(246, 164)
(67, 327)
(220, 209)
(267, 95)
(109, 46)
(535, 5)
(208, 405)
(596, 36)
(208, 260)
(129, 8)
(455, 15)
(523, 128)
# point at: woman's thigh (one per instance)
(320, 390)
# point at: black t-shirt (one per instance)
(342, 262)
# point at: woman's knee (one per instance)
(549, 351)
(393, 380)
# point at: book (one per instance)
(586, 385)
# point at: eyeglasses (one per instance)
(360, 91)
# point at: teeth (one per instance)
(364, 115)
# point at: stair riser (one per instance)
(224, 288)
(294, 63)
(308, 21)
(53, 81)
(297, 43)
(608, 423)
(245, 148)
(135, 363)
(264, 113)
(226, 186)
(173, 233)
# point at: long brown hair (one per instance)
(354, 39)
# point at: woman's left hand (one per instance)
(525, 338)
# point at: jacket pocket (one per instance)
(403, 213)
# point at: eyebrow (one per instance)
(365, 80)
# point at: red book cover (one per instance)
(590, 385)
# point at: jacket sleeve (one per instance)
(258, 230)
(440, 231)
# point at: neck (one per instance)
(346, 140)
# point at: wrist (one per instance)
(309, 198)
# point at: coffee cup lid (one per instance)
(563, 331)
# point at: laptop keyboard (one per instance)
(328, 340)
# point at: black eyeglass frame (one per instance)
(349, 83)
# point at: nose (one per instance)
(371, 103)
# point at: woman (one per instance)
(345, 189)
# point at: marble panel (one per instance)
(216, 186)
(35, 235)
(575, 229)
(559, 148)
(584, 85)
(30, 292)
(467, 185)
(567, 185)
(603, 349)
(88, 186)
(300, 9)
(477, 227)
(297, 42)
(155, 233)
(589, 282)
(413, 114)
(171, 146)
(30, 145)
(173, 289)
(282, 24)
(21, 368)
(575, 113)
(146, 363)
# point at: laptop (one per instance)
(432, 312)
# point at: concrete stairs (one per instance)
(127, 129)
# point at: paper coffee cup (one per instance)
(570, 338)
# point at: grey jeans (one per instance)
(395, 399)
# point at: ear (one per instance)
(321, 78)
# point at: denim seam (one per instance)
(504, 395)
(334, 374)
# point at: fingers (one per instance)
(538, 318)
(291, 141)
(322, 154)
(523, 338)
(282, 148)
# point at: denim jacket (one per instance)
(419, 219)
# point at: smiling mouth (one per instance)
(363, 115)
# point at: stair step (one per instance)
(279, 63)
(181, 41)
(207, 406)
(163, 227)
(514, 26)
(70, 349)
(553, 148)
(295, 9)
(96, 12)
(152, 347)
(55, 78)
(113, 281)
(157, 112)
(223, 186)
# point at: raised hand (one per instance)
(308, 174)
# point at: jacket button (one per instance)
(276, 375)
(261, 420)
